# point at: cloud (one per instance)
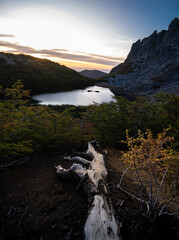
(107, 57)
(6, 35)
(62, 54)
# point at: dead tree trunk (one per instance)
(101, 223)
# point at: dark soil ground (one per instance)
(36, 204)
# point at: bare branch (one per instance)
(9, 212)
(160, 186)
(22, 217)
(131, 195)
(78, 160)
(123, 175)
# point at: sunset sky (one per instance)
(81, 34)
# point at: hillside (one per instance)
(39, 75)
(93, 73)
(152, 64)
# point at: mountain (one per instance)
(152, 64)
(93, 73)
(39, 75)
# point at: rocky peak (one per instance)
(174, 24)
(152, 64)
(158, 45)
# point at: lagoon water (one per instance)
(84, 97)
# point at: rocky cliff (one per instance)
(152, 65)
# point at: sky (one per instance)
(81, 34)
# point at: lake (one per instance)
(84, 97)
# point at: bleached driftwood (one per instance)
(84, 155)
(101, 223)
(75, 169)
(97, 170)
(78, 160)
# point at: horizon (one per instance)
(77, 33)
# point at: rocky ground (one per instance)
(36, 204)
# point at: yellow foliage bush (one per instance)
(151, 153)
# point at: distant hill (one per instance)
(93, 73)
(152, 64)
(39, 75)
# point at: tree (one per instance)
(25, 129)
(10, 118)
(157, 157)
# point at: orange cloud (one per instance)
(76, 60)
(6, 35)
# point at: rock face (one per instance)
(152, 64)
(93, 73)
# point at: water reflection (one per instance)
(84, 97)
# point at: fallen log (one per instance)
(75, 169)
(101, 223)
(78, 160)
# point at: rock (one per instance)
(152, 64)
(173, 25)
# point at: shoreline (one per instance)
(118, 91)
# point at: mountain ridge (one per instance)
(39, 75)
(93, 73)
(152, 64)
